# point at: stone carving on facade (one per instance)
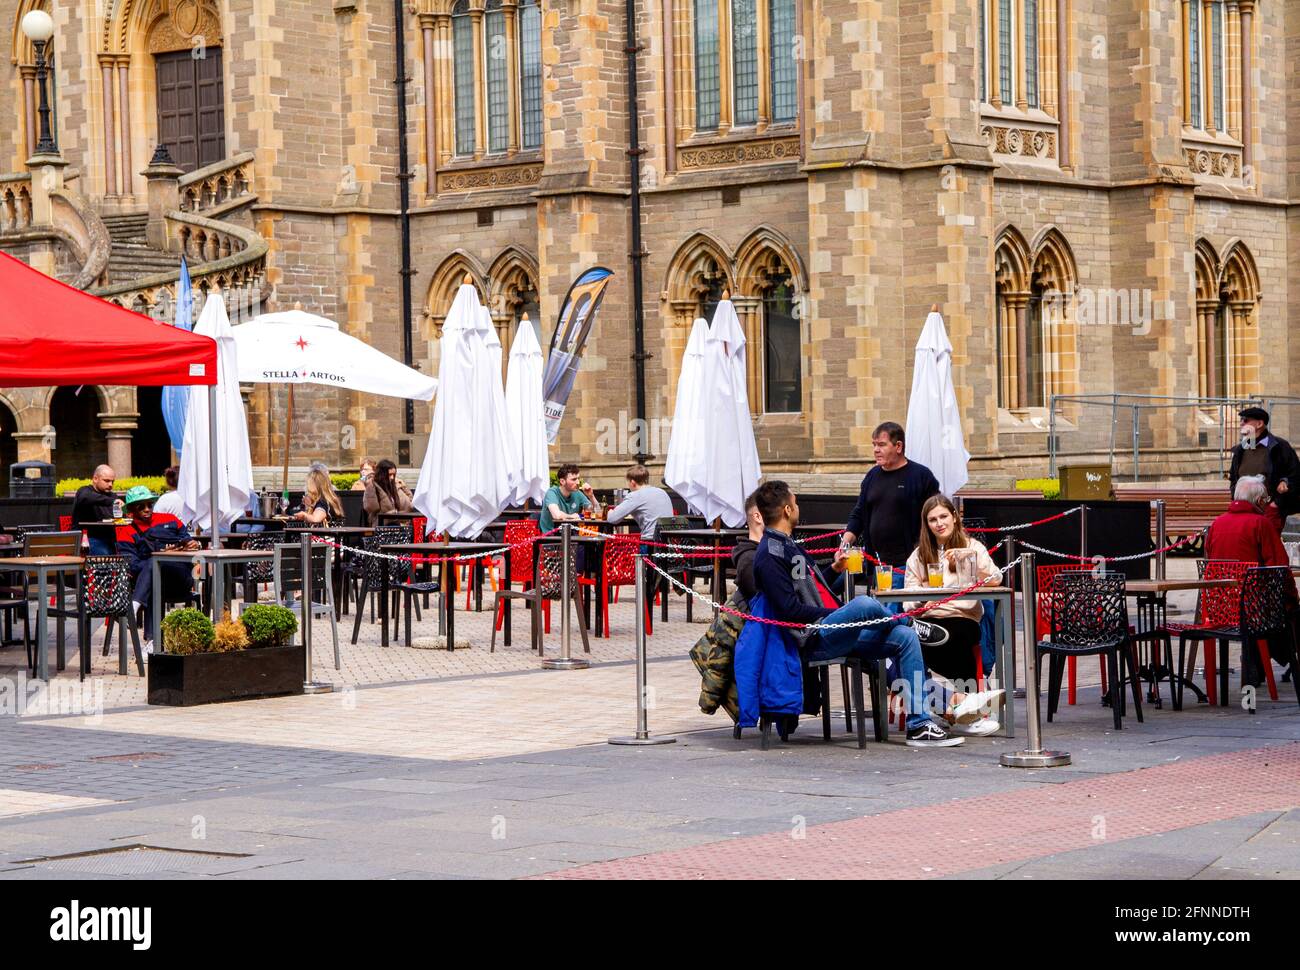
(740, 153)
(185, 24)
(1021, 142)
(1221, 164)
(500, 177)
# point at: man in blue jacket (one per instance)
(795, 593)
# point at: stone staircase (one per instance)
(131, 257)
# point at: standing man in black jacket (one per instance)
(887, 518)
(1264, 453)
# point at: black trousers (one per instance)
(956, 658)
(177, 583)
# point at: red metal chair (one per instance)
(517, 533)
(1046, 576)
(548, 586)
(618, 568)
(1218, 612)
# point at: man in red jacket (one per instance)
(1245, 533)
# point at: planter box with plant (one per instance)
(237, 659)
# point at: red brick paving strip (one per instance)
(972, 833)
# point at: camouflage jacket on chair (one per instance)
(714, 657)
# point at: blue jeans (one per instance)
(882, 641)
(99, 546)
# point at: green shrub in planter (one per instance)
(269, 626)
(187, 631)
(343, 481)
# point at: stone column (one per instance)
(428, 25)
(750, 311)
(118, 431)
(32, 446)
(446, 92)
(164, 196)
(124, 119)
(29, 106)
(109, 128)
(1063, 83)
(1247, 112)
(512, 75)
(1021, 309)
(480, 86)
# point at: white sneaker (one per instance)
(147, 647)
(974, 706)
(976, 729)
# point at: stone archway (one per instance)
(8, 445)
(79, 442)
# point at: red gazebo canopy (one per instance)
(54, 334)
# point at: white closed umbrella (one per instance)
(492, 475)
(466, 478)
(232, 477)
(295, 347)
(686, 441)
(729, 468)
(934, 435)
(526, 418)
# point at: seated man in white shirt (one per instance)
(170, 501)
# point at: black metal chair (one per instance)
(106, 594)
(371, 570)
(1090, 616)
(681, 559)
(51, 542)
(548, 587)
(1263, 616)
(256, 573)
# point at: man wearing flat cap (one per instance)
(1264, 453)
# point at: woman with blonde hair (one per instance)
(943, 541)
(320, 503)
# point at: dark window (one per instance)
(782, 348)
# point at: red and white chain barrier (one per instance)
(1129, 558)
(915, 611)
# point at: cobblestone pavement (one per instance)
(474, 764)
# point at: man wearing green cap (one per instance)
(147, 534)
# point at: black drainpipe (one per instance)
(404, 177)
(634, 153)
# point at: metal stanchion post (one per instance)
(642, 735)
(1083, 531)
(565, 661)
(1160, 538)
(308, 685)
(1034, 756)
(1019, 692)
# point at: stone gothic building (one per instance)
(1100, 195)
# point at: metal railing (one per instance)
(1191, 423)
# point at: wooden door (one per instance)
(191, 107)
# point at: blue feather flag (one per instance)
(176, 400)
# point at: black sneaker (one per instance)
(930, 735)
(930, 634)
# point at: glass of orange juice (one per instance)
(884, 577)
(853, 560)
(935, 572)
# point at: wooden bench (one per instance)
(1187, 510)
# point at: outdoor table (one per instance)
(592, 566)
(1151, 616)
(340, 534)
(719, 584)
(43, 566)
(1005, 663)
(214, 562)
(448, 592)
(269, 524)
(396, 518)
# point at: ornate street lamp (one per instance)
(39, 28)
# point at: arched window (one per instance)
(496, 75)
(1035, 335)
(462, 31)
(1208, 28)
(745, 65)
(1227, 339)
(712, 282)
(782, 345)
(1010, 32)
